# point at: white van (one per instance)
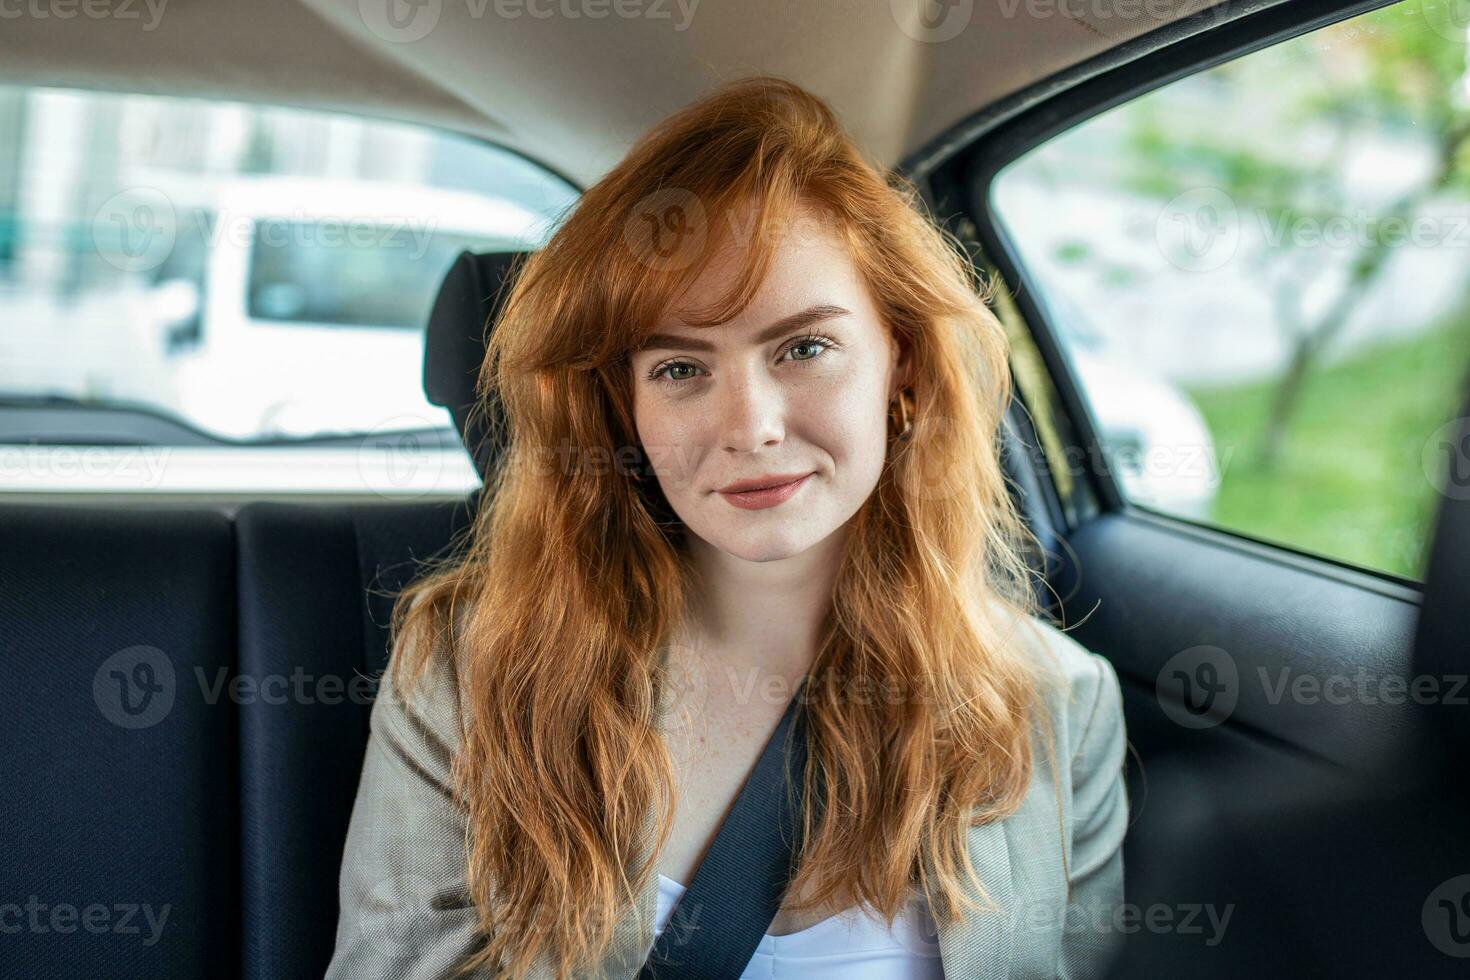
(309, 316)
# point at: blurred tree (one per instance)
(1397, 70)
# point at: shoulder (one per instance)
(1078, 689)
(427, 702)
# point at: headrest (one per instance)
(465, 311)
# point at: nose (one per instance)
(752, 412)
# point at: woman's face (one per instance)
(797, 385)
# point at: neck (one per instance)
(762, 618)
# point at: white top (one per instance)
(840, 947)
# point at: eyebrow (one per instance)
(796, 321)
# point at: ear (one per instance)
(901, 366)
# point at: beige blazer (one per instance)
(405, 913)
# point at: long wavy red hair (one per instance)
(575, 576)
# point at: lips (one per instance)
(769, 495)
(767, 482)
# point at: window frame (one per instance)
(1056, 105)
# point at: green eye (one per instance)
(819, 345)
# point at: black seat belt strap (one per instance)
(737, 890)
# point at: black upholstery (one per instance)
(1329, 875)
(1440, 649)
(316, 593)
(229, 813)
(118, 778)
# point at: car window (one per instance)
(293, 279)
(1259, 274)
(240, 290)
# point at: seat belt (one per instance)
(736, 892)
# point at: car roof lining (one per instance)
(490, 68)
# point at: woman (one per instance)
(573, 705)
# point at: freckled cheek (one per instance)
(844, 420)
(672, 438)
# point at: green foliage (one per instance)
(1352, 484)
(1385, 71)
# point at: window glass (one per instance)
(1261, 276)
(294, 278)
(212, 275)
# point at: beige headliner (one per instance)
(572, 91)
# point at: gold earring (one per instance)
(905, 424)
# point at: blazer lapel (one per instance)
(633, 934)
(980, 944)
